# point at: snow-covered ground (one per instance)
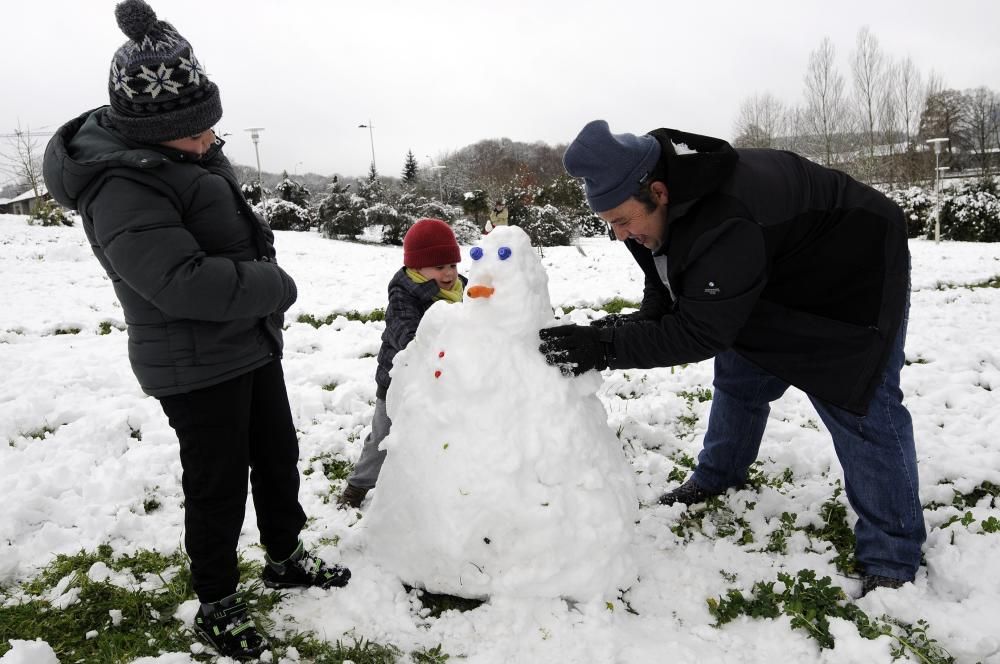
(82, 449)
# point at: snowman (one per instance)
(502, 476)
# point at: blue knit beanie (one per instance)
(612, 165)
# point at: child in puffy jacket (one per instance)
(429, 273)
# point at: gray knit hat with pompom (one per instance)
(158, 90)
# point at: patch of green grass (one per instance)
(105, 327)
(330, 387)
(616, 304)
(361, 651)
(353, 315)
(612, 306)
(433, 655)
(993, 282)
(67, 330)
(150, 505)
(147, 626)
(41, 433)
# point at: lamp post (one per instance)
(938, 143)
(371, 137)
(255, 137)
(438, 169)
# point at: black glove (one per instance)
(617, 320)
(576, 349)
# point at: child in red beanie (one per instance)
(429, 273)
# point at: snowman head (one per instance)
(507, 282)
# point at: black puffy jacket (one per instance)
(192, 265)
(798, 268)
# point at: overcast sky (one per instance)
(434, 76)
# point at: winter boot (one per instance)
(352, 496)
(688, 493)
(225, 626)
(870, 582)
(303, 570)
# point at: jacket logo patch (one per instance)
(712, 289)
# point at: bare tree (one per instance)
(980, 126)
(868, 68)
(760, 121)
(824, 117)
(909, 97)
(22, 159)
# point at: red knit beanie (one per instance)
(429, 243)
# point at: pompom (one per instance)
(135, 18)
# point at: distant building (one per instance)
(26, 203)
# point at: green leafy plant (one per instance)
(837, 532)
(810, 603)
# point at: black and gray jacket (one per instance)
(798, 268)
(408, 302)
(192, 265)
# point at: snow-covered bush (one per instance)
(293, 192)
(466, 231)
(971, 214)
(252, 192)
(49, 213)
(285, 215)
(394, 223)
(918, 206)
(547, 226)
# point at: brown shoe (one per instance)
(352, 496)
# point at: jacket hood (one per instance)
(693, 165)
(84, 148)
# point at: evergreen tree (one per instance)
(372, 189)
(291, 191)
(340, 213)
(410, 168)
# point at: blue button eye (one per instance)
(476, 253)
(504, 253)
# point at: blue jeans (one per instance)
(876, 452)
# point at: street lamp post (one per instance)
(255, 137)
(371, 136)
(938, 143)
(438, 168)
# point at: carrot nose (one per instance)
(480, 291)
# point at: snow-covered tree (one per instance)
(291, 191)
(340, 213)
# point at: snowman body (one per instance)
(501, 475)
